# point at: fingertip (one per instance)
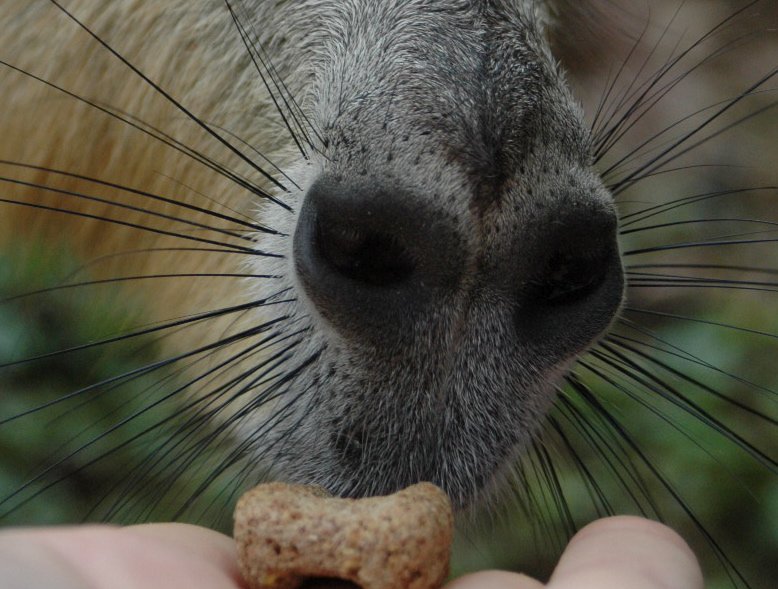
(627, 551)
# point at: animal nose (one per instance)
(377, 263)
(574, 286)
(370, 257)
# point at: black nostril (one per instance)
(571, 275)
(362, 254)
(575, 257)
(371, 257)
(574, 280)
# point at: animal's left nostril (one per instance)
(574, 283)
(575, 257)
(571, 274)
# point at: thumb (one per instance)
(630, 552)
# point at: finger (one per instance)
(194, 541)
(627, 552)
(141, 557)
(24, 562)
(494, 580)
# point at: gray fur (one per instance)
(445, 131)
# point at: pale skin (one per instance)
(613, 553)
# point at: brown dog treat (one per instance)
(287, 534)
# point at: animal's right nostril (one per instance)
(362, 254)
(371, 258)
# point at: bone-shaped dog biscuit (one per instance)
(288, 534)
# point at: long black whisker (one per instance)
(648, 98)
(256, 152)
(674, 152)
(701, 321)
(139, 209)
(663, 347)
(150, 131)
(301, 119)
(652, 467)
(200, 351)
(254, 55)
(208, 408)
(123, 279)
(157, 231)
(191, 116)
(155, 329)
(650, 382)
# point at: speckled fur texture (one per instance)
(450, 123)
(442, 137)
(452, 120)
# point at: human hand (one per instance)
(151, 556)
(610, 554)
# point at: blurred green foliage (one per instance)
(112, 436)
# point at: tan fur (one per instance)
(45, 127)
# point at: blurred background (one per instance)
(700, 354)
